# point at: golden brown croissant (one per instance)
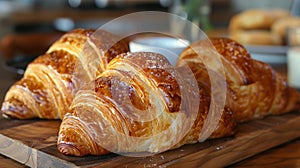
(99, 123)
(254, 88)
(137, 105)
(50, 81)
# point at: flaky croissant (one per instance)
(99, 122)
(136, 106)
(254, 89)
(51, 81)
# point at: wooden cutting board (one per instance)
(33, 142)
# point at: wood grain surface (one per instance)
(286, 155)
(33, 143)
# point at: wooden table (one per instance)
(6, 79)
(285, 155)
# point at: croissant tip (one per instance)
(68, 149)
(13, 110)
(5, 115)
(10, 115)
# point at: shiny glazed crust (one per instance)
(96, 116)
(99, 119)
(95, 119)
(254, 88)
(51, 81)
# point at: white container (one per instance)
(293, 60)
(169, 47)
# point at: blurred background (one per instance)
(28, 27)
(19, 16)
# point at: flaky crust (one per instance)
(51, 81)
(98, 122)
(254, 88)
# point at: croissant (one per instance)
(100, 121)
(137, 105)
(254, 89)
(51, 80)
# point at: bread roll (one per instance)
(256, 37)
(280, 27)
(256, 19)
